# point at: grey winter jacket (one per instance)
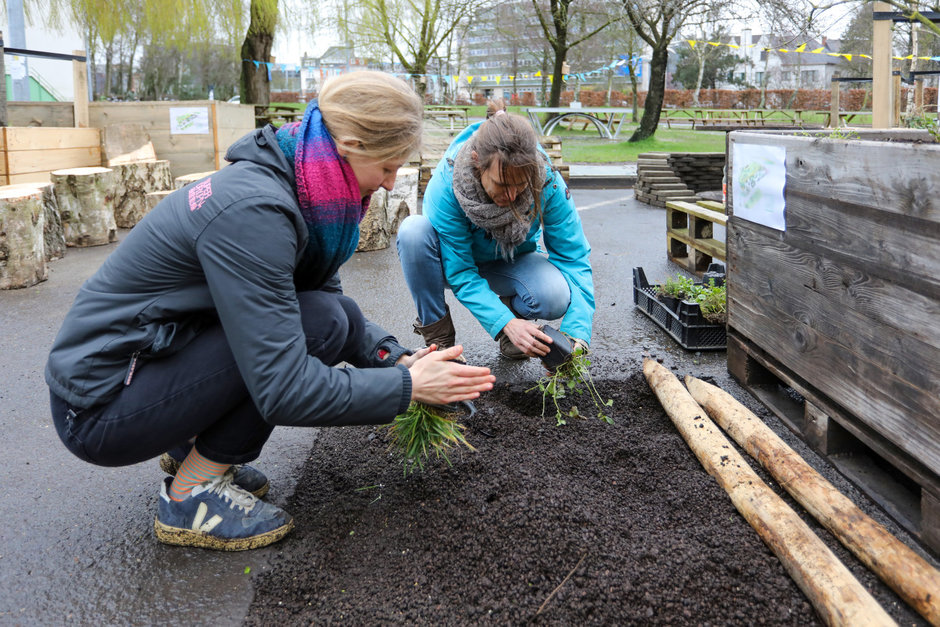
(223, 249)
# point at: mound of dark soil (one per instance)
(584, 523)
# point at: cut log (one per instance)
(22, 249)
(182, 181)
(907, 573)
(835, 593)
(53, 234)
(86, 205)
(154, 198)
(133, 181)
(387, 210)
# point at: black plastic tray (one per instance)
(686, 326)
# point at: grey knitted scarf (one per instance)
(500, 222)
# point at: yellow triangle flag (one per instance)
(498, 79)
(539, 73)
(818, 50)
(800, 48)
(456, 78)
(470, 80)
(848, 57)
(692, 42)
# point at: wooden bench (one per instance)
(690, 240)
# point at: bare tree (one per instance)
(413, 30)
(657, 22)
(558, 26)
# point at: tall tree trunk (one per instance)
(108, 62)
(654, 97)
(554, 98)
(130, 63)
(256, 53)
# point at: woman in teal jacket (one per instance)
(490, 200)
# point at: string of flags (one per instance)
(802, 48)
(620, 66)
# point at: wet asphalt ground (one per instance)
(76, 541)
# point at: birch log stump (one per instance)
(86, 205)
(182, 181)
(53, 233)
(154, 198)
(133, 181)
(387, 210)
(22, 247)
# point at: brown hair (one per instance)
(511, 141)
(380, 115)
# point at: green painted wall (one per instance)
(37, 93)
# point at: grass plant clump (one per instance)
(572, 377)
(423, 430)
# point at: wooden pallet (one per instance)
(906, 489)
(690, 240)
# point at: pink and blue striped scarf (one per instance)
(329, 198)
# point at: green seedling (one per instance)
(572, 377)
(423, 430)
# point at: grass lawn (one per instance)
(579, 150)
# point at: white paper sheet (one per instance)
(189, 120)
(758, 177)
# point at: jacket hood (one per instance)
(260, 146)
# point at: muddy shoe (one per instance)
(219, 515)
(509, 350)
(246, 477)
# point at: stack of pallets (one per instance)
(656, 181)
(552, 146)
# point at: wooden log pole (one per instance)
(22, 249)
(903, 570)
(86, 205)
(835, 593)
(53, 233)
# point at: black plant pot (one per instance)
(559, 350)
(671, 302)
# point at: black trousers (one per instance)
(199, 393)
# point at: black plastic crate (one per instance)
(686, 326)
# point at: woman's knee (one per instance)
(549, 298)
(329, 321)
(415, 233)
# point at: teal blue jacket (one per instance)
(464, 246)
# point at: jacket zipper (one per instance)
(131, 368)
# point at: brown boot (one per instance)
(441, 333)
(506, 348)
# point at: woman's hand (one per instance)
(527, 337)
(437, 380)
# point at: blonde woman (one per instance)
(220, 316)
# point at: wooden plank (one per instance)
(42, 138)
(44, 114)
(861, 172)
(898, 410)
(905, 250)
(713, 205)
(712, 247)
(698, 211)
(26, 161)
(874, 308)
(31, 177)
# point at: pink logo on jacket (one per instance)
(199, 194)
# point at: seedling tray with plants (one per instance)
(685, 323)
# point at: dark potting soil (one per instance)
(585, 523)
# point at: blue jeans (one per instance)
(198, 392)
(536, 287)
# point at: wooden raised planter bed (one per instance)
(834, 322)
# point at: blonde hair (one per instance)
(379, 114)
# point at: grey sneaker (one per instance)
(219, 515)
(246, 477)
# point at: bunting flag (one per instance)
(848, 56)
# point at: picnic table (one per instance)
(451, 113)
(274, 114)
(607, 120)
